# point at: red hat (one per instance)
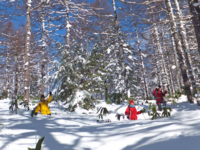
(131, 101)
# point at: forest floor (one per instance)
(81, 131)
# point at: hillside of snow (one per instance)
(81, 131)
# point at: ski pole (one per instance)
(144, 117)
(142, 113)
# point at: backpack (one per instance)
(154, 95)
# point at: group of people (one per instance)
(158, 94)
(131, 111)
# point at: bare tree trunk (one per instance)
(117, 31)
(160, 54)
(43, 52)
(48, 85)
(88, 51)
(179, 52)
(168, 66)
(67, 22)
(185, 48)
(141, 61)
(178, 75)
(157, 67)
(106, 90)
(169, 83)
(7, 61)
(27, 53)
(195, 11)
(160, 59)
(16, 81)
(170, 76)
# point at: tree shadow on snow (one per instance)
(65, 131)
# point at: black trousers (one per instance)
(159, 104)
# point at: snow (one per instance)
(108, 50)
(44, 44)
(100, 72)
(26, 88)
(29, 33)
(196, 4)
(128, 68)
(68, 26)
(173, 67)
(144, 55)
(26, 64)
(29, 5)
(79, 96)
(64, 130)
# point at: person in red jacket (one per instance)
(131, 111)
(158, 94)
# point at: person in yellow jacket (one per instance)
(43, 105)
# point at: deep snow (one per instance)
(79, 131)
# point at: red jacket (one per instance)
(159, 95)
(132, 113)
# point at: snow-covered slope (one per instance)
(79, 131)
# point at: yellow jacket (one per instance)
(43, 107)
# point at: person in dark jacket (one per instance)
(158, 94)
(131, 111)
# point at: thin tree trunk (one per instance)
(27, 53)
(106, 90)
(67, 22)
(169, 74)
(48, 85)
(141, 61)
(43, 53)
(179, 52)
(160, 60)
(87, 41)
(178, 75)
(160, 53)
(169, 83)
(7, 64)
(117, 31)
(16, 82)
(171, 77)
(7, 61)
(157, 67)
(185, 48)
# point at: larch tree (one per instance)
(185, 47)
(179, 51)
(194, 6)
(27, 52)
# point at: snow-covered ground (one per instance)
(80, 131)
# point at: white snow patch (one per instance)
(173, 67)
(68, 26)
(26, 63)
(128, 68)
(64, 130)
(79, 96)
